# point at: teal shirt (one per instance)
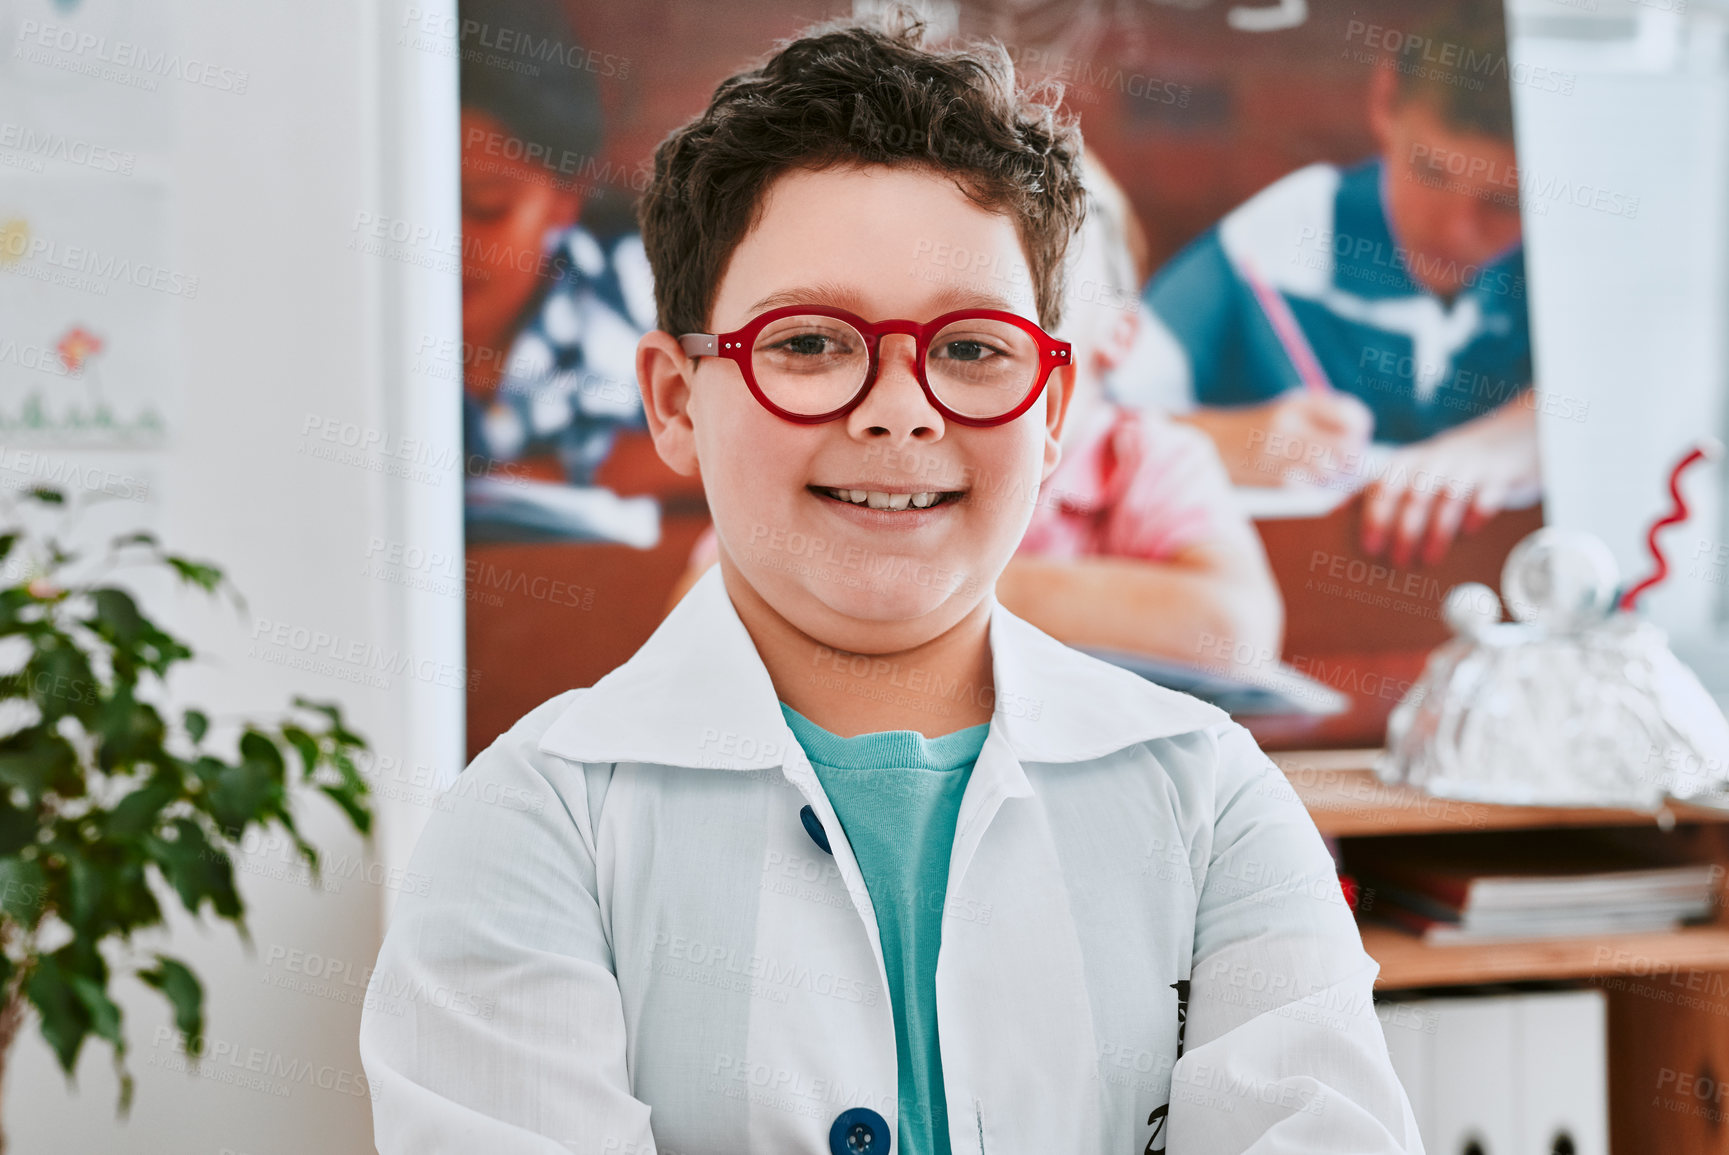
(898, 796)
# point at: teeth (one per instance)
(892, 501)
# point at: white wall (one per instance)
(294, 330)
(1629, 309)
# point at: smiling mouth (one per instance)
(877, 499)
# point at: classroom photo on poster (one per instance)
(1304, 406)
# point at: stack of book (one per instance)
(1485, 887)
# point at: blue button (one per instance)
(813, 827)
(859, 1131)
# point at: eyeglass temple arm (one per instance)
(700, 344)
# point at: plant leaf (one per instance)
(258, 749)
(17, 827)
(357, 813)
(306, 746)
(84, 885)
(181, 986)
(23, 888)
(197, 870)
(104, 1015)
(65, 1019)
(201, 574)
(242, 794)
(38, 761)
(116, 611)
(139, 811)
(338, 732)
(131, 899)
(61, 682)
(13, 599)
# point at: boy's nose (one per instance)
(1471, 227)
(896, 405)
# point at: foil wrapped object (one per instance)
(1573, 704)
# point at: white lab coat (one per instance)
(624, 939)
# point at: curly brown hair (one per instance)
(863, 94)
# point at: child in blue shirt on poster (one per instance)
(1385, 300)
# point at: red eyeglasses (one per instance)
(809, 364)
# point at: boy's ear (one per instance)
(1059, 391)
(663, 374)
(1383, 96)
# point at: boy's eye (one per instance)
(487, 200)
(808, 344)
(965, 350)
(485, 210)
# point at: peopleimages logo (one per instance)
(101, 267)
(1091, 74)
(58, 146)
(1451, 63)
(90, 49)
(584, 169)
(353, 659)
(1316, 248)
(496, 45)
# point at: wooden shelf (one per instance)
(1665, 991)
(1345, 799)
(1407, 961)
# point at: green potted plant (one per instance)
(104, 800)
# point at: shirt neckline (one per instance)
(886, 749)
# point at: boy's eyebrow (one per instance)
(843, 297)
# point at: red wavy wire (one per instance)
(1678, 513)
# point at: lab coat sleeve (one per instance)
(1282, 1050)
(493, 1020)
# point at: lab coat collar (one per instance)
(697, 694)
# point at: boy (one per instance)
(1136, 542)
(723, 900)
(1403, 276)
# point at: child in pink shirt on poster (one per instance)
(1136, 542)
